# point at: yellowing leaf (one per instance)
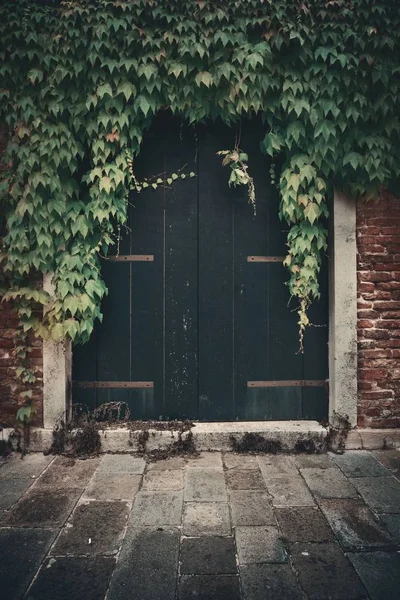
(205, 78)
(105, 184)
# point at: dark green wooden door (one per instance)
(197, 323)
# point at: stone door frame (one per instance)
(57, 357)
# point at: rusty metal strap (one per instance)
(132, 258)
(112, 384)
(288, 383)
(266, 259)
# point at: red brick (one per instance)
(366, 287)
(390, 285)
(364, 324)
(374, 276)
(373, 374)
(368, 314)
(390, 305)
(375, 353)
(375, 334)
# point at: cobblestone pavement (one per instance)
(213, 527)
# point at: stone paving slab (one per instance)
(205, 484)
(328, 483)
(277, 582)
(38, 508)
(121, 463)
(206, 518)
(325, 572)
(380, 573)
(259, 545)
(88, 578)
(390, 459)
(251, 507)
(205, 459)
(277, 466)
(21, 552)
(277, 535)
(95, 528)
(240, 461)
(360, 463)
(159, 481)
(147, 566)
(68, 473)
(103, 486)
(157, 509)
(304, 524)
(289, 491)
(380, 493)
(209, 587)
(244, 480)
(313, 461)
(11, 490)
(392, 524)
(208, 555)
(354, 525)
(169, 464)
(31, 465)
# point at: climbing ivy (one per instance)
(81, 81)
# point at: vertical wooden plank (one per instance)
(180, 272)
(265, 330)
(216, 390)
(84, 368)
(316, 400)
(146, 292)
(113, 337)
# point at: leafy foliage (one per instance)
(237, 160)
(81, 81)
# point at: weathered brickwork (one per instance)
(10, 386)
(378, 245)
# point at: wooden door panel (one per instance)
(181, 285)
(216, 317)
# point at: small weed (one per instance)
(184, 445)
(254, 442)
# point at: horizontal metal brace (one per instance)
(288, 383)
(132, 258)
(112, 384)
(266, 259)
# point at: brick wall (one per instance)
(10, 386)
(378, 245)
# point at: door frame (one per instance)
(342, 346)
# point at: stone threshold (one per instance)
(287, 436)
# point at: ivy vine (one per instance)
(81, 81)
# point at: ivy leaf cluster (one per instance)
(81, 81)
(237, 161)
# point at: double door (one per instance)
(197, 323)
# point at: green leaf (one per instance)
(35, 75)
(127, 89)
(205, 78)
(105, 184)
(352, 158)
(312, 212)
(143, 103)
(104, 90)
